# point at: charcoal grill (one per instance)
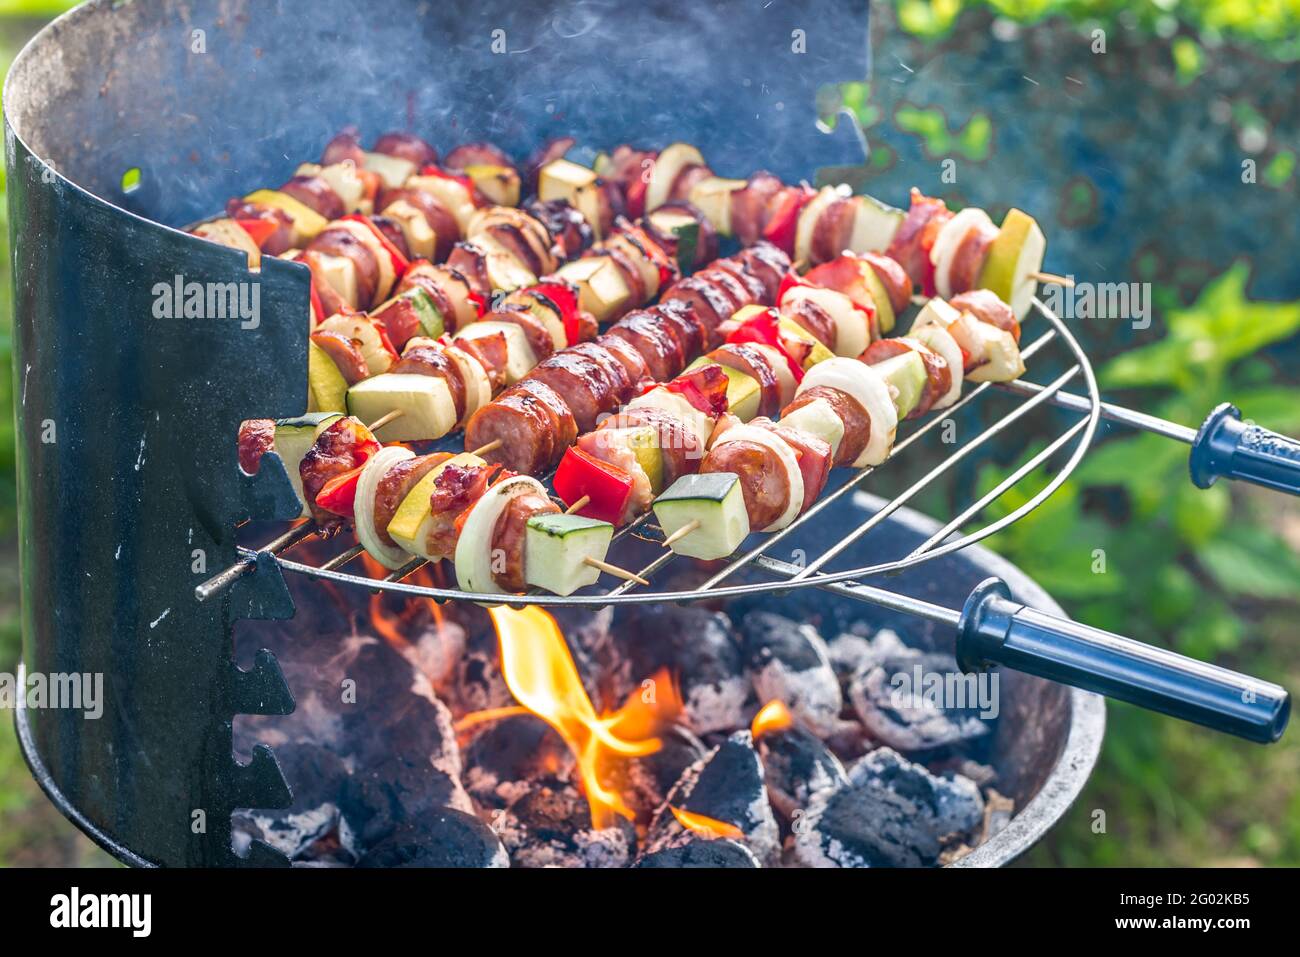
(124, 121)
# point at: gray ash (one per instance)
(550, 826)
(797, 766)
(788, 661)
(697, 648)
(438, 838)
(478, 684)
(892, 700)
(700, 852)
(503, 760)
(727, 786)
(889, 813)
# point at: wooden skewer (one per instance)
(485, 449)
(578, 506)
(1051, 277)
(681, 533)
(614, 570)
(799, 265)
(383, 420)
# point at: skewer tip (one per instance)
(1053, 279)
(383, 420)
(681, 533)
(578, 506)
(614, 570)
(485, 449)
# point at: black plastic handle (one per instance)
(1227, 447)
(995, 628)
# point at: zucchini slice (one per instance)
(294, 439)
(716, 501)
(556, 548)
(428, 411)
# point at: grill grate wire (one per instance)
(812, 573)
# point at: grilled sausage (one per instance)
(763, 481)
(857, 424)
(406, 146)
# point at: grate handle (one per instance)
(996, 628)
(1227, 447)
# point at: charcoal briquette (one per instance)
(700, 852)
(727, 786)
(894, 708)
(441, 837)
(797, 765)
(550, 826)
(697, 648)
(788, 661)
(889, 813)
(503, 760)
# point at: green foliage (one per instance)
(1130, 545)
(1274, 25)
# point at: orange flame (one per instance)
(773, 716)
(540, 673)
(705, 827)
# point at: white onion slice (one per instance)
(868, 387)
(375, 469)
(474, 546)
(938, 339)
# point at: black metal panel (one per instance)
(127, 495)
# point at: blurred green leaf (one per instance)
(1251, 560)
(1222, 326)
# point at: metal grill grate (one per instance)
(814, 572)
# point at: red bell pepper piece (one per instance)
(704, 388)
(400, 262)
(565, 299)
(339, 494)
(765, 330)
(259, 229)
(608, 485)
(781, 227)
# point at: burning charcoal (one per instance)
(439, 838)
(724, 792)
(699, 852)
(889, 813)
(647, 780)
(797, 765)
(480, 685)
(505, 758)
(788, 662)
(696, 647)
(900, 698)
(551, 827)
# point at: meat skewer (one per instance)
(403, 505)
